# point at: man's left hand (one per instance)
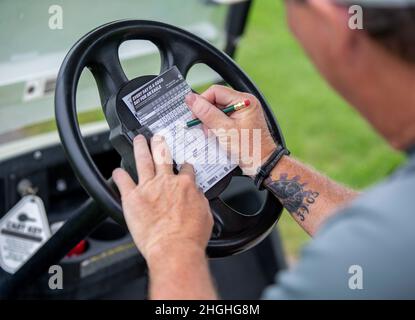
(165, 213)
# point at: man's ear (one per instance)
(336, 19)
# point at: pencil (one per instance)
(227, 110)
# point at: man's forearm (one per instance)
(309, 196)
(183, 274)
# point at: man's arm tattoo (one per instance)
(292, 194)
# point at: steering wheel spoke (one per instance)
(107, 70)
(178, 54)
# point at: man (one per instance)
(371, 233)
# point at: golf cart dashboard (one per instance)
(108, 251)
(47, 171)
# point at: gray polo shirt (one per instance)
(366, 251)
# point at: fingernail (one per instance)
(189, 164)
(139, 137)
(115, 172)
(190, 99)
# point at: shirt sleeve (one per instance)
(354, 256)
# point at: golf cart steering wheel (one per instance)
(98, 50)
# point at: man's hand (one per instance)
(248, 124)
(164, 212)
(309, 196)
(170, 221)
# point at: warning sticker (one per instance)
(23, 230)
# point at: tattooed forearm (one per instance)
(293, 194)
(309, 196)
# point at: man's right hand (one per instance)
(248, 122)
(316, 198)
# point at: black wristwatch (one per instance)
(265, 170)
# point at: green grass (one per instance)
(319, 127)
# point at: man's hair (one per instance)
(392, 26)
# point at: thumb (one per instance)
(211, 116)
(123, 182)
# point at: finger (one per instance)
(143, 159)
(123, 181)
(187, 169)
(161, 154)
(223, 96)
(211, 116)
(205, 130)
